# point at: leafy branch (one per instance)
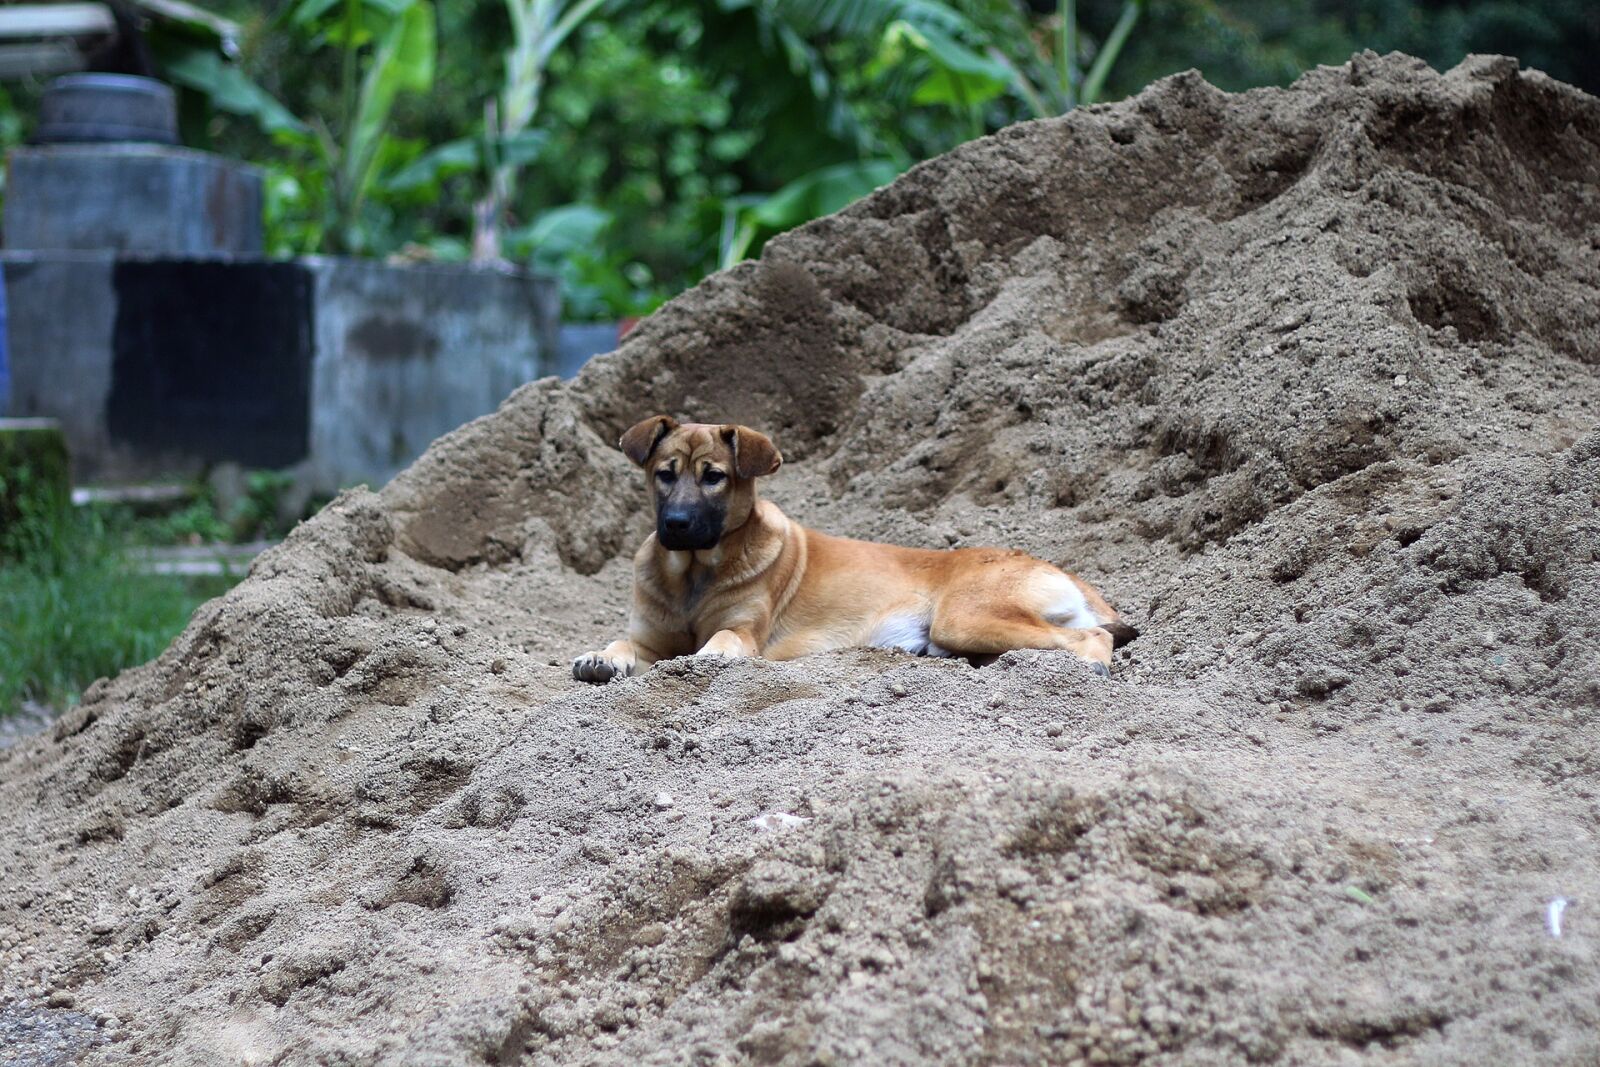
(387, 49)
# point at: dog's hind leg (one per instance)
(969, 631)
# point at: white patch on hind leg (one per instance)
(1064, 603)
(907, 632)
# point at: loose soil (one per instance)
(1307, 380)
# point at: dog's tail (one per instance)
(1121, 633)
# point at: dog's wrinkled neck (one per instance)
(738, 518)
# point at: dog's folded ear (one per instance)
(642, 437)
(754, 454)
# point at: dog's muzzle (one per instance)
(687, 530)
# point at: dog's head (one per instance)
(702, 476)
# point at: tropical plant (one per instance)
(198, 52)
(649, 140)
(810, 196)
(980, 65)
(507, 141)
(1076, 88)
(74, 611)
(387, 49)
(538, 28)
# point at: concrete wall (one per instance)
(346, 369)
(405, 354)
(138, 198)
(578, 343)
(60, 312)
(174, 344)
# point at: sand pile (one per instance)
(1306, 379)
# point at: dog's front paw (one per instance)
(598, 667)
(724, 644)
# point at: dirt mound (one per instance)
(1306, 379)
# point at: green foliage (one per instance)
(1559, 37)
(466, 155)
(1238, 44)
(810, 196)
(1106, 55)
(196, 523)
(35, 483)
(258, 513)
(644, 151)
(195, 53)
(13, 129)
(954, 75)
(571, 242)
(320, 197)
(73, 609)
(74, 613)
(538, 29)
(76, 606)
(227, 88)
(401, 62)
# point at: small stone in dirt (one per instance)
(1055, 729)
(498, 666)
(60, 999)
(663, 800)
(776, 820)
(898, 689)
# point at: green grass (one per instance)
(72, 610)
(253, 515)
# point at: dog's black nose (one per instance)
(683, 529)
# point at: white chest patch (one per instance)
(908, 632)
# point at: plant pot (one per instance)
(101, 108)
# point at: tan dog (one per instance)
(727, 574)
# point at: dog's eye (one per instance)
(712, 477)
(666, 476)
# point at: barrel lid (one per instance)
(123, 82)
